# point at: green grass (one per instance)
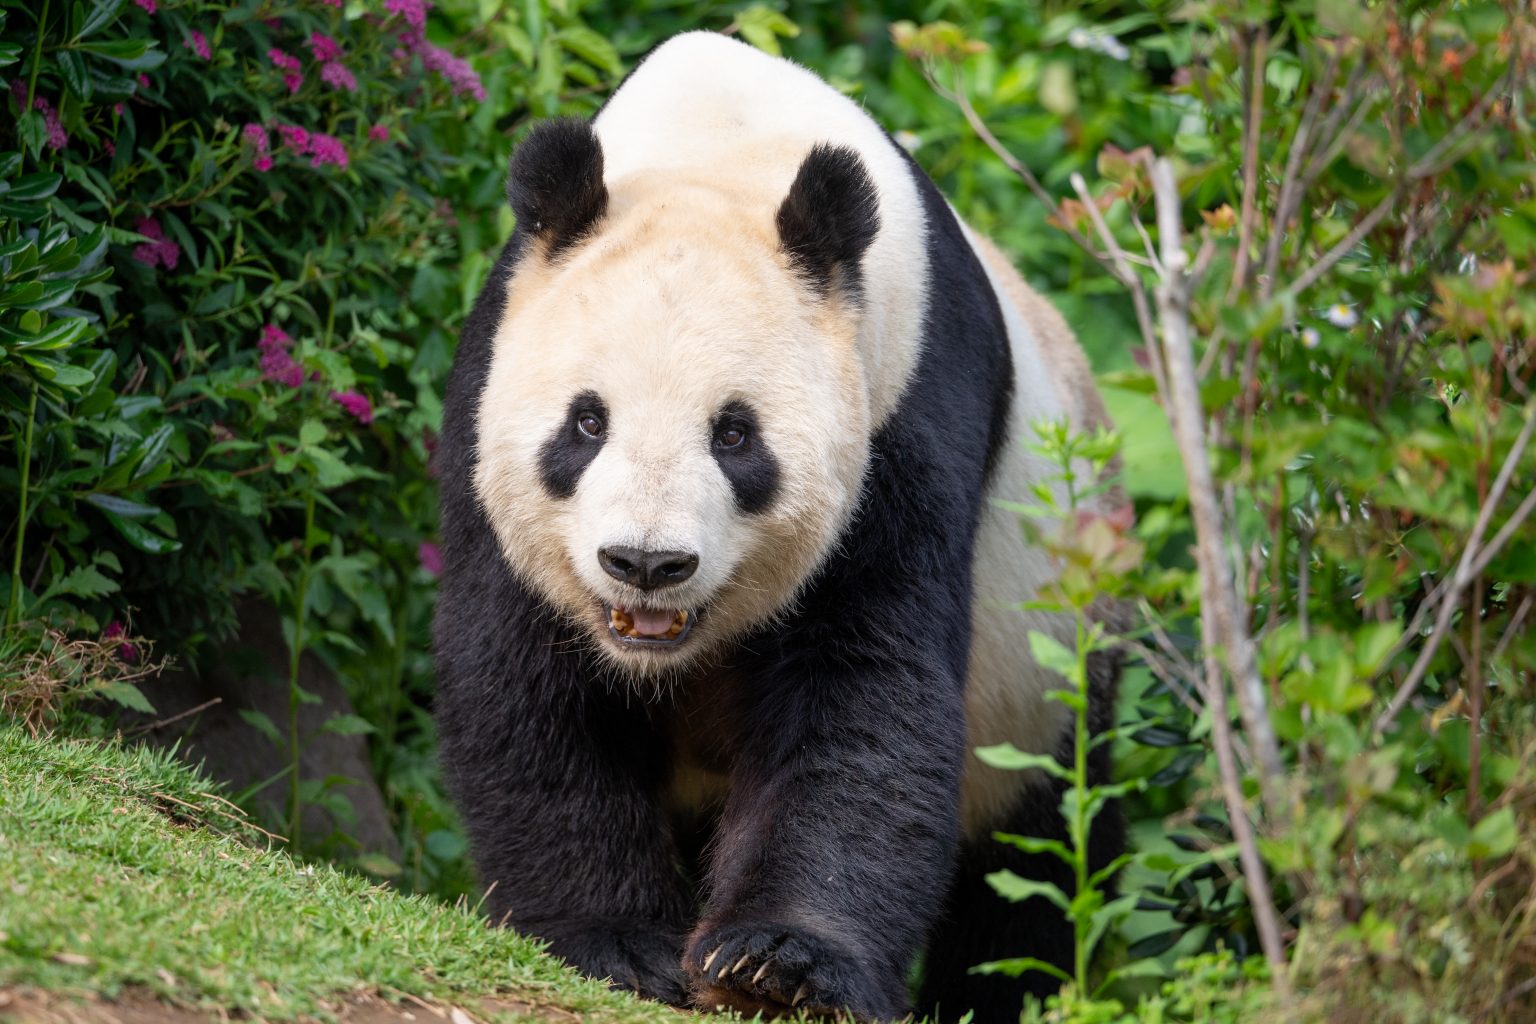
(122, 869)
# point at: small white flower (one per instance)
(1079, 39)
(908, 141)
(1342, 315)
(1116, 49)
(1310, 337)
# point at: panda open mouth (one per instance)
(650, 627)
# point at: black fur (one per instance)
(750, 466)
(555, 183)
(567, 452)
(829, 218)
(836, 852)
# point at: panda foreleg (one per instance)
(837, 839)
(556, 780)
(833, 847)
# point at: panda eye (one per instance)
(590, 425)
(730, 436)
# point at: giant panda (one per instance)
(726, 605)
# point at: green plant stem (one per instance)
(300, 609)
(13, 607)
(37, 62)
(1082, 923)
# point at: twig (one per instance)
(1474, 558)
(1512, 629)
(1252, 117)
(162, 723)
(1119, 266)
(1217, 605)
(958, 97)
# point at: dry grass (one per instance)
(60, 671)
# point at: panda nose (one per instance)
(647, 569)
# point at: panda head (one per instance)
(675, 422)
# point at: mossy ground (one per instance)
(127, 882)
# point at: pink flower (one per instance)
(109, 147)
(431, 557)
(159, 251)
(457, 72)
(413, 11)
(198, 44)
(58, 138)
(294, 137)
(255, 136)
(356, 403)
(293, 75)
(379, 133)
(324, 47)
(125, 650)
(277, 363)
(117, 108)
(331, 3)
(335, 74)
(326, 149)
(148, 5)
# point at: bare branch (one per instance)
(1474, 558)
(1218, 612)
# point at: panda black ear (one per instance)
(829, 218)
(555, 183)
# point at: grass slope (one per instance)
(124, 874)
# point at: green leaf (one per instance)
(1051, 654)
(1494, 836)
(103, 13)
(263, 724)
(76, 76)
(35, 186)
(1016, 888)
(122, 506)
(84, 581)
(133, 54)
(142, 537)
(311, 432)
(126, 694)
(1032, 844)
(1019, 966)
(1011, 758)
(347, 725)
(592, 48)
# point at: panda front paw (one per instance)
(636, 956)
(762, 967)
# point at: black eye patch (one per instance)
(738, 445)
(569, 450)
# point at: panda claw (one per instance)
(711, 958)
(800, 994)
(761, 971)
(741, 963)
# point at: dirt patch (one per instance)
(136, 1006)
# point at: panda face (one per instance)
(674, 426)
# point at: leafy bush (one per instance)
(221, 342)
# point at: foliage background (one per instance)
(222, 345)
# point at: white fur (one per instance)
(702, 100)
